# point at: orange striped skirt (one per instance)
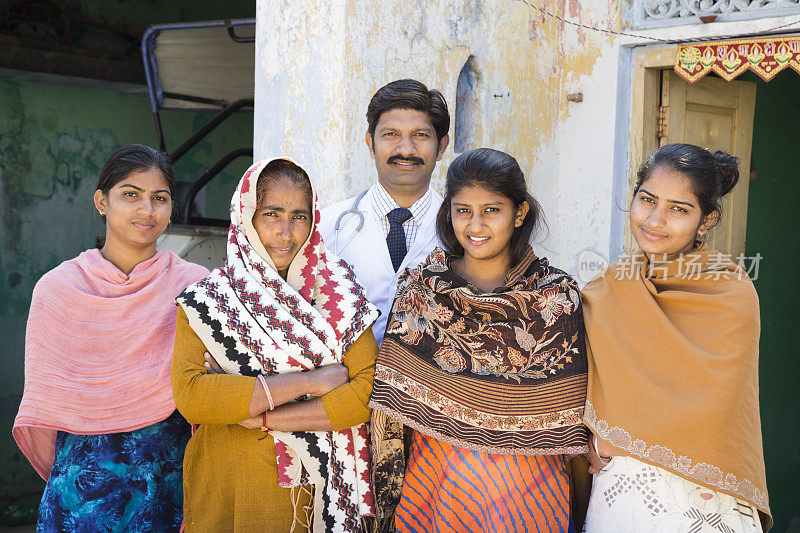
(448, 489)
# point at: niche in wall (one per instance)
(467, 131)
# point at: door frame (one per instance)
(647, 64)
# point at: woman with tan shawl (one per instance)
(672, 337)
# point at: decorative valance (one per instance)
(728, 59)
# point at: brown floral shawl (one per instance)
(501, 372)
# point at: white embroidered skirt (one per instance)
(631, 496)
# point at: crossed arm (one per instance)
(340, 393)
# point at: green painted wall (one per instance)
(773, 205)
(53, 141)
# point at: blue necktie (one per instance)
(396, 239)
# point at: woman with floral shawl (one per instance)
(286, 328)
(672, 338)
(483, 362)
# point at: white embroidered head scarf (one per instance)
(252, 321)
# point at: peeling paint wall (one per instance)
(315, 74)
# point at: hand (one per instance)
(595, 463)
(325, 379)
(252, 423)
(605, 450)
(212, 367)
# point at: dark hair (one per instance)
(134, 158)
(283, 169)
(409, 94)
(711, 176)
(499, 173)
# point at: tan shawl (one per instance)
(673, 369)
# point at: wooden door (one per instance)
(717, 115)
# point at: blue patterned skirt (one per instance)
(130, 481)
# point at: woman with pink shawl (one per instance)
(97, 418)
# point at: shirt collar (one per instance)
(384, 202)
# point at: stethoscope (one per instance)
(352, 211)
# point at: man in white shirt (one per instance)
(392, 225)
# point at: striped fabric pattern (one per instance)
(501, 372)
(539, 420)
(449, 489)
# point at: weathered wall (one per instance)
(315, 74)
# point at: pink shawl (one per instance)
(98, 347)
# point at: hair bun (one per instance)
(729, 167)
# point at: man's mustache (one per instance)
(410, 159)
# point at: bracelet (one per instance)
(603, 459)
(264, 427)
(266, 391)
